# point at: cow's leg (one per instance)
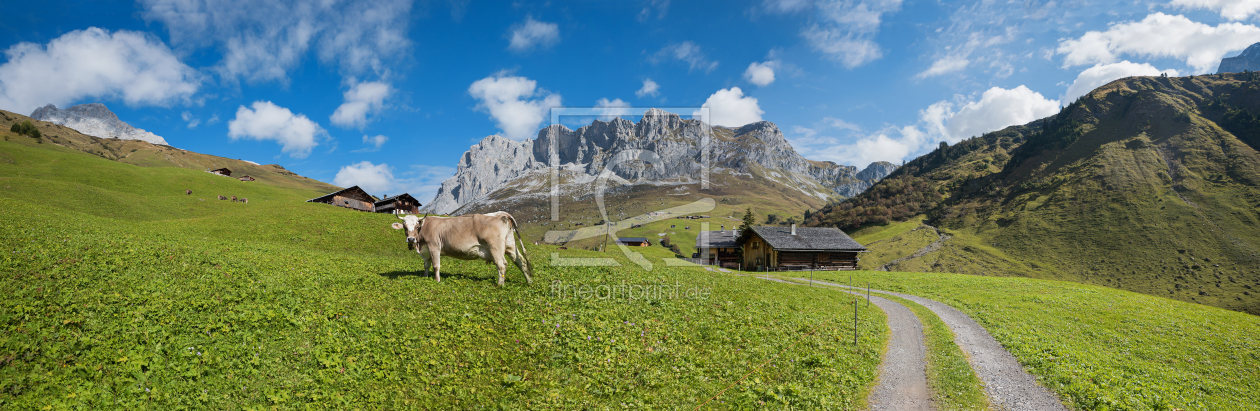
(496, 253)
(436, 256)
(519, 260)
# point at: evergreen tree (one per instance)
(745, 230)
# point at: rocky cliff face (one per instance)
(662, 148)
(94, 120)
(1248, 60)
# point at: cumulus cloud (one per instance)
(687, 52)
(1160, 35)
(531, 34)
(608, 110)
(94, 63)
(650, 88)
(295, 133)
(846, 29)
(944, 65)
(361, 99)
(761, 74)
(997, 108)
(730, 108)
(261, 41)
(1102, 74)
(516, 103)
(375, 141)
(373, 178)
(1229, 9)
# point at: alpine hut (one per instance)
(773, 248)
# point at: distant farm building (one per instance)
(352, 198)
(634, 241)
(400, 204)
(222, 171)
(718, 248)
(803, 248)
(246, 178)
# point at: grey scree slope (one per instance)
(1007, 384)
(902, 378)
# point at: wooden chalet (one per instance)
(634, 241)
(352, 198)
(719, 248)
(246, 178)
(804, 248)
(222, 171)
(400, 204)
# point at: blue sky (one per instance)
(388, 94)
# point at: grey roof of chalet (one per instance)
(808, 238)
(632, 239)
(717, 239)
(403, 196)
(352, 190)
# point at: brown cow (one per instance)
(187, 192)
(234, 199)
(469, 237)
(244, 200)
(222, 198)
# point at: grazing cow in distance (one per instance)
(233, 199)
(222, 198)
(469, 237)
(244, 200)
(187, 192)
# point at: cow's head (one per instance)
(412, 225)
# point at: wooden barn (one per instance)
(246, 178)
(222, 171)
(634, 241)
(400, 204)
(803, 248)
(718, 248)
(352, 198)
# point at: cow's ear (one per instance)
(397, 226)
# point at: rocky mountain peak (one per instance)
(94, 119)
(1248, 60)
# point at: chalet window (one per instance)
(756, 244)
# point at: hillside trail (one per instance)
(936, 245)
(902, 376)
(1006, 383)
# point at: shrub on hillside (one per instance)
(26, 129)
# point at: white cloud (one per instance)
(1102, 74)
(361, 99)
(267, 121)
(840, 124)
(213, 119)
(997, 108)
(786, 6)
(423, 181)
(373, 178)
(1229, 9)
(730, 108)
(847, 28)
(94, 64)
(376, 141)
(609, 110)
(891, 144)
(761, 74)
(944, 65)
(689, 53)
(1160, 35)
(650, 88)
(515, 103)
(661, 6)
(261, 41)
(532, 34)
(188, 117)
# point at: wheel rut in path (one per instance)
(902, 376)
(1007, 384)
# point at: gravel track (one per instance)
(1007, 384)
(902, 377)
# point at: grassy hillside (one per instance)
(1148, 184)
(146, 154)
(1101, 348)
(124, 292)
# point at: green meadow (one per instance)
(122, 291)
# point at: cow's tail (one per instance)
(517, 230)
